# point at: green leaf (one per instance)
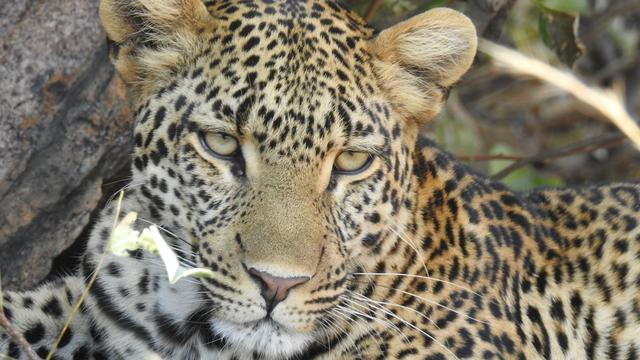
(498, 165)
(526, 179)
(435, 4)
(558, 32)
(565, 6)
(521, 179)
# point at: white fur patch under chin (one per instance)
(265, 338)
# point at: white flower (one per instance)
(125, 239)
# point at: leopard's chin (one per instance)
(264, 337)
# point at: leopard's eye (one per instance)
(352, 162)
(219, 144)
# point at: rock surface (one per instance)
(64, 127)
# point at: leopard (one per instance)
(280, 145)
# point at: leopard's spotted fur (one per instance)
(414, 257)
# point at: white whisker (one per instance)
(415, 249)
(362, 297)
(433, 303)
(421, 331)
(421, 277)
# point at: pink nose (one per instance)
(274, 288)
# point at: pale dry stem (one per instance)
(605, 101)
(14, 334)
(85, 292)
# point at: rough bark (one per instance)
(64, 127)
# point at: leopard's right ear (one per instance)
(419, 59)
(150, 38)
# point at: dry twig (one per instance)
(489, 157)
(581, 147)
(14, 334)
(85, 292)
(603, 20)
(372, 9)
(605, 101)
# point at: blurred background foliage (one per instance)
(526, 132)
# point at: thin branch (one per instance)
(457, 108)
(14, 334)
(581, 147)
(87, 288)
(75, 309)
(615, 8)
(489, 157)
(17, 337)
(604, 101)
(372, 9)
(616, 67)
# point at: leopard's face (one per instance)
(279, 153)
(286, 162)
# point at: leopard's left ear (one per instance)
(150, 38)
(419, 59)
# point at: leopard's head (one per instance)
(276, 138)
